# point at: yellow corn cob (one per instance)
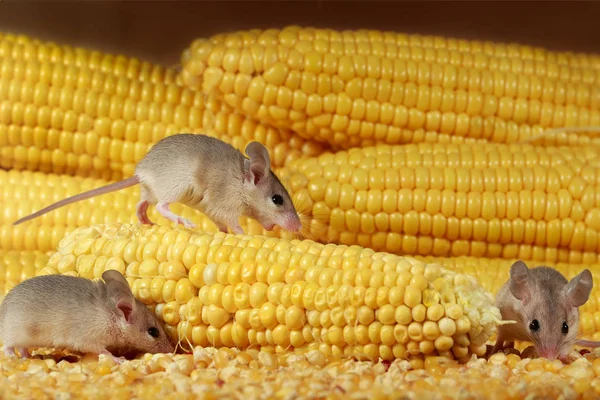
(481, 200)
(22, 47)
(115, 119)
(492, 273)
(470, 53)
(83, 86)
(252, 291)
(17, 266)
(353, 100)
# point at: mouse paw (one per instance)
(188, 224)
(110, 356)
(24, 352)
(9, 352)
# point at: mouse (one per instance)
(209, 175)
(81, 315)
(545, 308)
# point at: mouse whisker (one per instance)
(585, 332)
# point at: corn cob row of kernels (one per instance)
(352, 100)
(17, 266)
(243, 291)
(37, 79)
(511, 57)
(22, 47)
(114, 126)
(494, 195)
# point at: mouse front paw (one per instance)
(186, 223)
(110, 356)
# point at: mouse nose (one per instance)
(548, 354)
(294, 224)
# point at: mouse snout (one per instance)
(292, 223)
(288, 221)
(166, 346)
(549, 354)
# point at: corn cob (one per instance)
(242, 291)
(17, 266)
(430, 48)
(61, 83)
(226, 373)
(22, 47)
(115, 119)
(353, 100)
(451, 200)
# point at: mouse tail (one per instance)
(113, 187)
(587, 343)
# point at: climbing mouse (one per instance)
(67, 312)
(545, 306)
(206, 174)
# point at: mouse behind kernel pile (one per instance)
(545, 307)
(78, 314)
(206, 174)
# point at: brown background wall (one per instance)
(159, 30)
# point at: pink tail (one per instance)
(587, 343)
(113, 187)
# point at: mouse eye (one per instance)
(534, 325)
(277, 199)
(153, 332)
(565, 328)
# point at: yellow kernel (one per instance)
(295, 318)
(454, 311)
(443, 343)
(217, 316)
(268, 315)
(415, 331)
(412, 296)
(184, 291)
(431, 330)
(447, 326)
(258, 294)
(419, 312)
(387, 314)
(403, 315)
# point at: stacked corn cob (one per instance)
(387, 142)
(364, 87)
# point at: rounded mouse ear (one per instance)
(259, 164)
(119, 294)
(577, 291)
(519, 281)
(114, 275)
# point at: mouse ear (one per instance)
(519, 281)
(259, 164)
(119, 294)
(577, 291)
(114, 275)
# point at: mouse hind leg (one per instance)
(163, 209)
(142, 206)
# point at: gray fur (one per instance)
(545, 298)
(209, 175)
(63, 311)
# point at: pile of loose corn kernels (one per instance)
(224, 373)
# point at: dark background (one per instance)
(159, 30)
